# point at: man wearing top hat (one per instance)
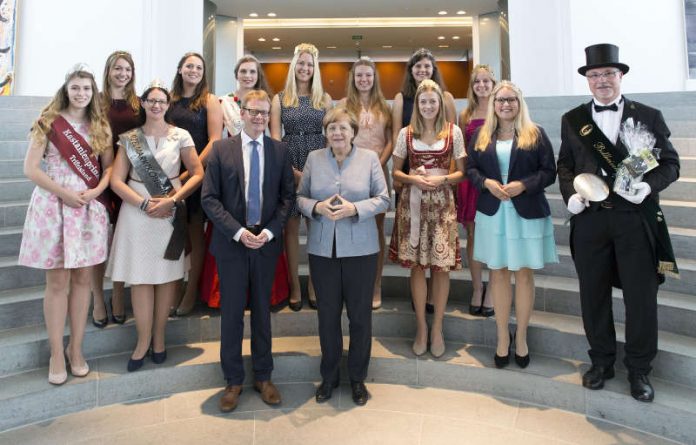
(621, 241)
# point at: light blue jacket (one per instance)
(360, 180)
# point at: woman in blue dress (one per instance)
(511, 162)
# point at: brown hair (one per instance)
(261, 82)
(200, 94)
(130, 95)
(408, 88)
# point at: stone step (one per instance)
(11, 168)
(396, 414)
(13, 276)
(8, 103)
(10, 239)
(13, 149)
(548, 381)
(557, 335)
(16, 189)
(25, 116)
(15, 131)
(13, 213)
(677, 213)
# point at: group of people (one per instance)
(250, 166)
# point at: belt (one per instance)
(254, 229)
(606, 204)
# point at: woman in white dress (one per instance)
(145, 232)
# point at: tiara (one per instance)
(79, 67)
(157, 83)
(307, 48)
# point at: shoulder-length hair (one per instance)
(377, 101)
(472, 98)
(408, 87)
(417, 121)
(200, 94)
(526, 131)
(130, 95)
(261, 82)
(99, 129)
(290, 96)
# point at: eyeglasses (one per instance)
(253, 112)
(153, 102)
(506, 100)
(605, 75)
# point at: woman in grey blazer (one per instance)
(342, 189)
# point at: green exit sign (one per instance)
(357, 37)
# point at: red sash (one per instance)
(78, 154)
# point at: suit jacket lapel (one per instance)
(493, 147)
(629, 110)
(513, 155)
(268, 170)
(238, 164)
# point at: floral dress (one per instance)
(425, 231)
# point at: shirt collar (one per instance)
(618, 101)
(246, 139)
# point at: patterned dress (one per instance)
(467, 194)
(55, 235)
(302, 127)
(425, 231)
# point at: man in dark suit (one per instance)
(622, 240)
(248, 191)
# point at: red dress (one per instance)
(467, 194)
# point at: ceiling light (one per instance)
(253, 14)
(455, 37)
(330, 47)
(461, 12)
(441, 38)
(276, 39)
(276, 47)
(271, 14)
(443, 46)
(442, 13)
(386, 46)
(261, 39)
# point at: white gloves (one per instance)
(576, 204)
(643, 190)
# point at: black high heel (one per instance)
(135, 364)
(522, 362)
(118, 319)
(477, 310)
(503, 361)
(485, 310)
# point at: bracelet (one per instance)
(144, 204)
(445, 179)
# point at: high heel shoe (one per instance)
(295, 306)
(118, 319)
(503, 361)
(475, 310)
(135, 364)
(101, 322)
(419, 348)
(77, 371)
(437, 351)
(521, 361)
(485, 310)
(158, 357)
(57, 378)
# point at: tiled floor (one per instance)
(396, 414)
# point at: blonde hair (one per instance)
(417, 121)
(472, 98)
(526, 131)
(337, 113)
(99, 129)
(259, 95)
(130, 94)
(290, 97)
(377, 101)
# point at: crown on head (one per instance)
(79, 67)
(307, 48)
(157, 83)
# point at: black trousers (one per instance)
(350, 280)
(252, 273)
(605, 242)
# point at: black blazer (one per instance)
(223, 198)
(535, 168)
(574, 158)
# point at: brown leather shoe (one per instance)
(269, 393)
(230, 398)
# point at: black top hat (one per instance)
(602, 54)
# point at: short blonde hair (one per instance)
(338, 113)
(255, 95)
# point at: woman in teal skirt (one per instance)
(511, 162)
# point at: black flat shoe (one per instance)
(359, 393)
(118, 319)
(487, 311)
(429, 308)
(522, 362)
(324, 391)
(101, 324)
(594, 378)
(641, 389)
(295, 306)
(158, 357)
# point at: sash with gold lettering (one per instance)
(158, 185)
(609, 158)
(78, 154)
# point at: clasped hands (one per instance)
(336, 207)
(576, 203)
(252, 241)
(504, 192)
(160, 207)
